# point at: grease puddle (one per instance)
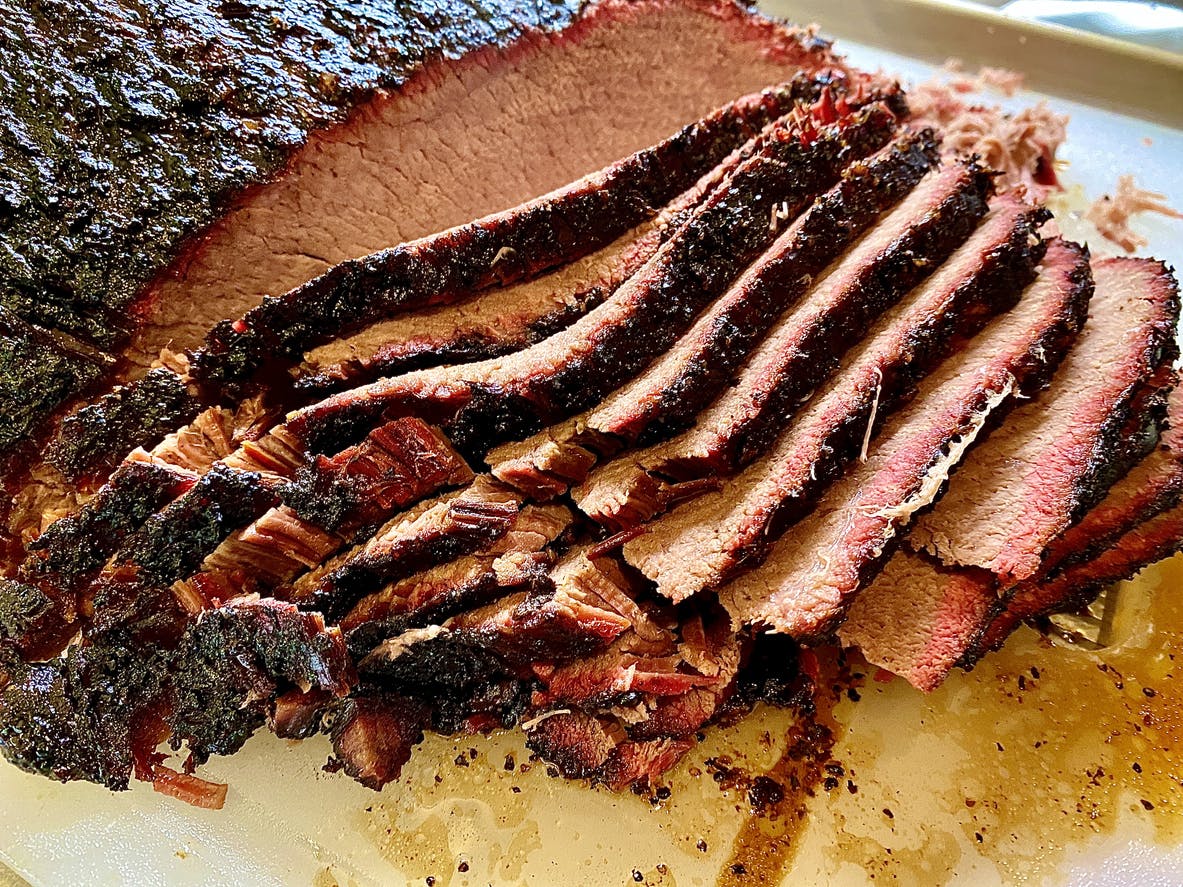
(1004, 775)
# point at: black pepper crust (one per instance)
(132, 124)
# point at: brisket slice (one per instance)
(491, 400)
(503, 248)
(500, 320)
(703, 542)
(813, 573)
(677, 385)
(807, 346)
(919, 619)
(1075, 587)
(373, 735)
(511, 563)
(667, 396)
(1152, 486)
(435, 533)
(1051, 461)
(95, 438)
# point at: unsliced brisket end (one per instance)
(703, 542)
(917, 618)
(499, 249)
(492, 400)
(436, 533)
(675, 387)
(987, 270)
(1052, 460)
(813, 573)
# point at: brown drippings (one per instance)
(779, 799)
(1011, 773)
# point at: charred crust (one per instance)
(93, 439)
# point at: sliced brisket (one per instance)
(435, 533)
(702, 543)
(676, 386)
(988, 270)
(917, 618)
(1053, 459)
(491, 400)
(812, 574)
(1159, 537)
(503, 248)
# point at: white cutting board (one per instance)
(285, 823)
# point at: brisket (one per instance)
(987, 270)
(512, 562)
(504, 248)
(139, 148)
(500, 320)
(373, 735)
(95, 438)
(1052, 460)
(492, 400)
(1075, 587)
(396, 465)
(678, 385)
(917, 618)
(702, 543)
(812, 574)
(98, 712)
(436, 533)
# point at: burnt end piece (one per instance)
(85, 716)
(78, 544)
(396, 465)
(373, 736)
(465, 526)
(139, 414)
(500, 249)
(38, 371)
(172, 543)
(231, 663)
(100, 711)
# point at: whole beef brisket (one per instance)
(596, 465)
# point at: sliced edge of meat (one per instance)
(705, 541)
(1053, 459)
(813, 573)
